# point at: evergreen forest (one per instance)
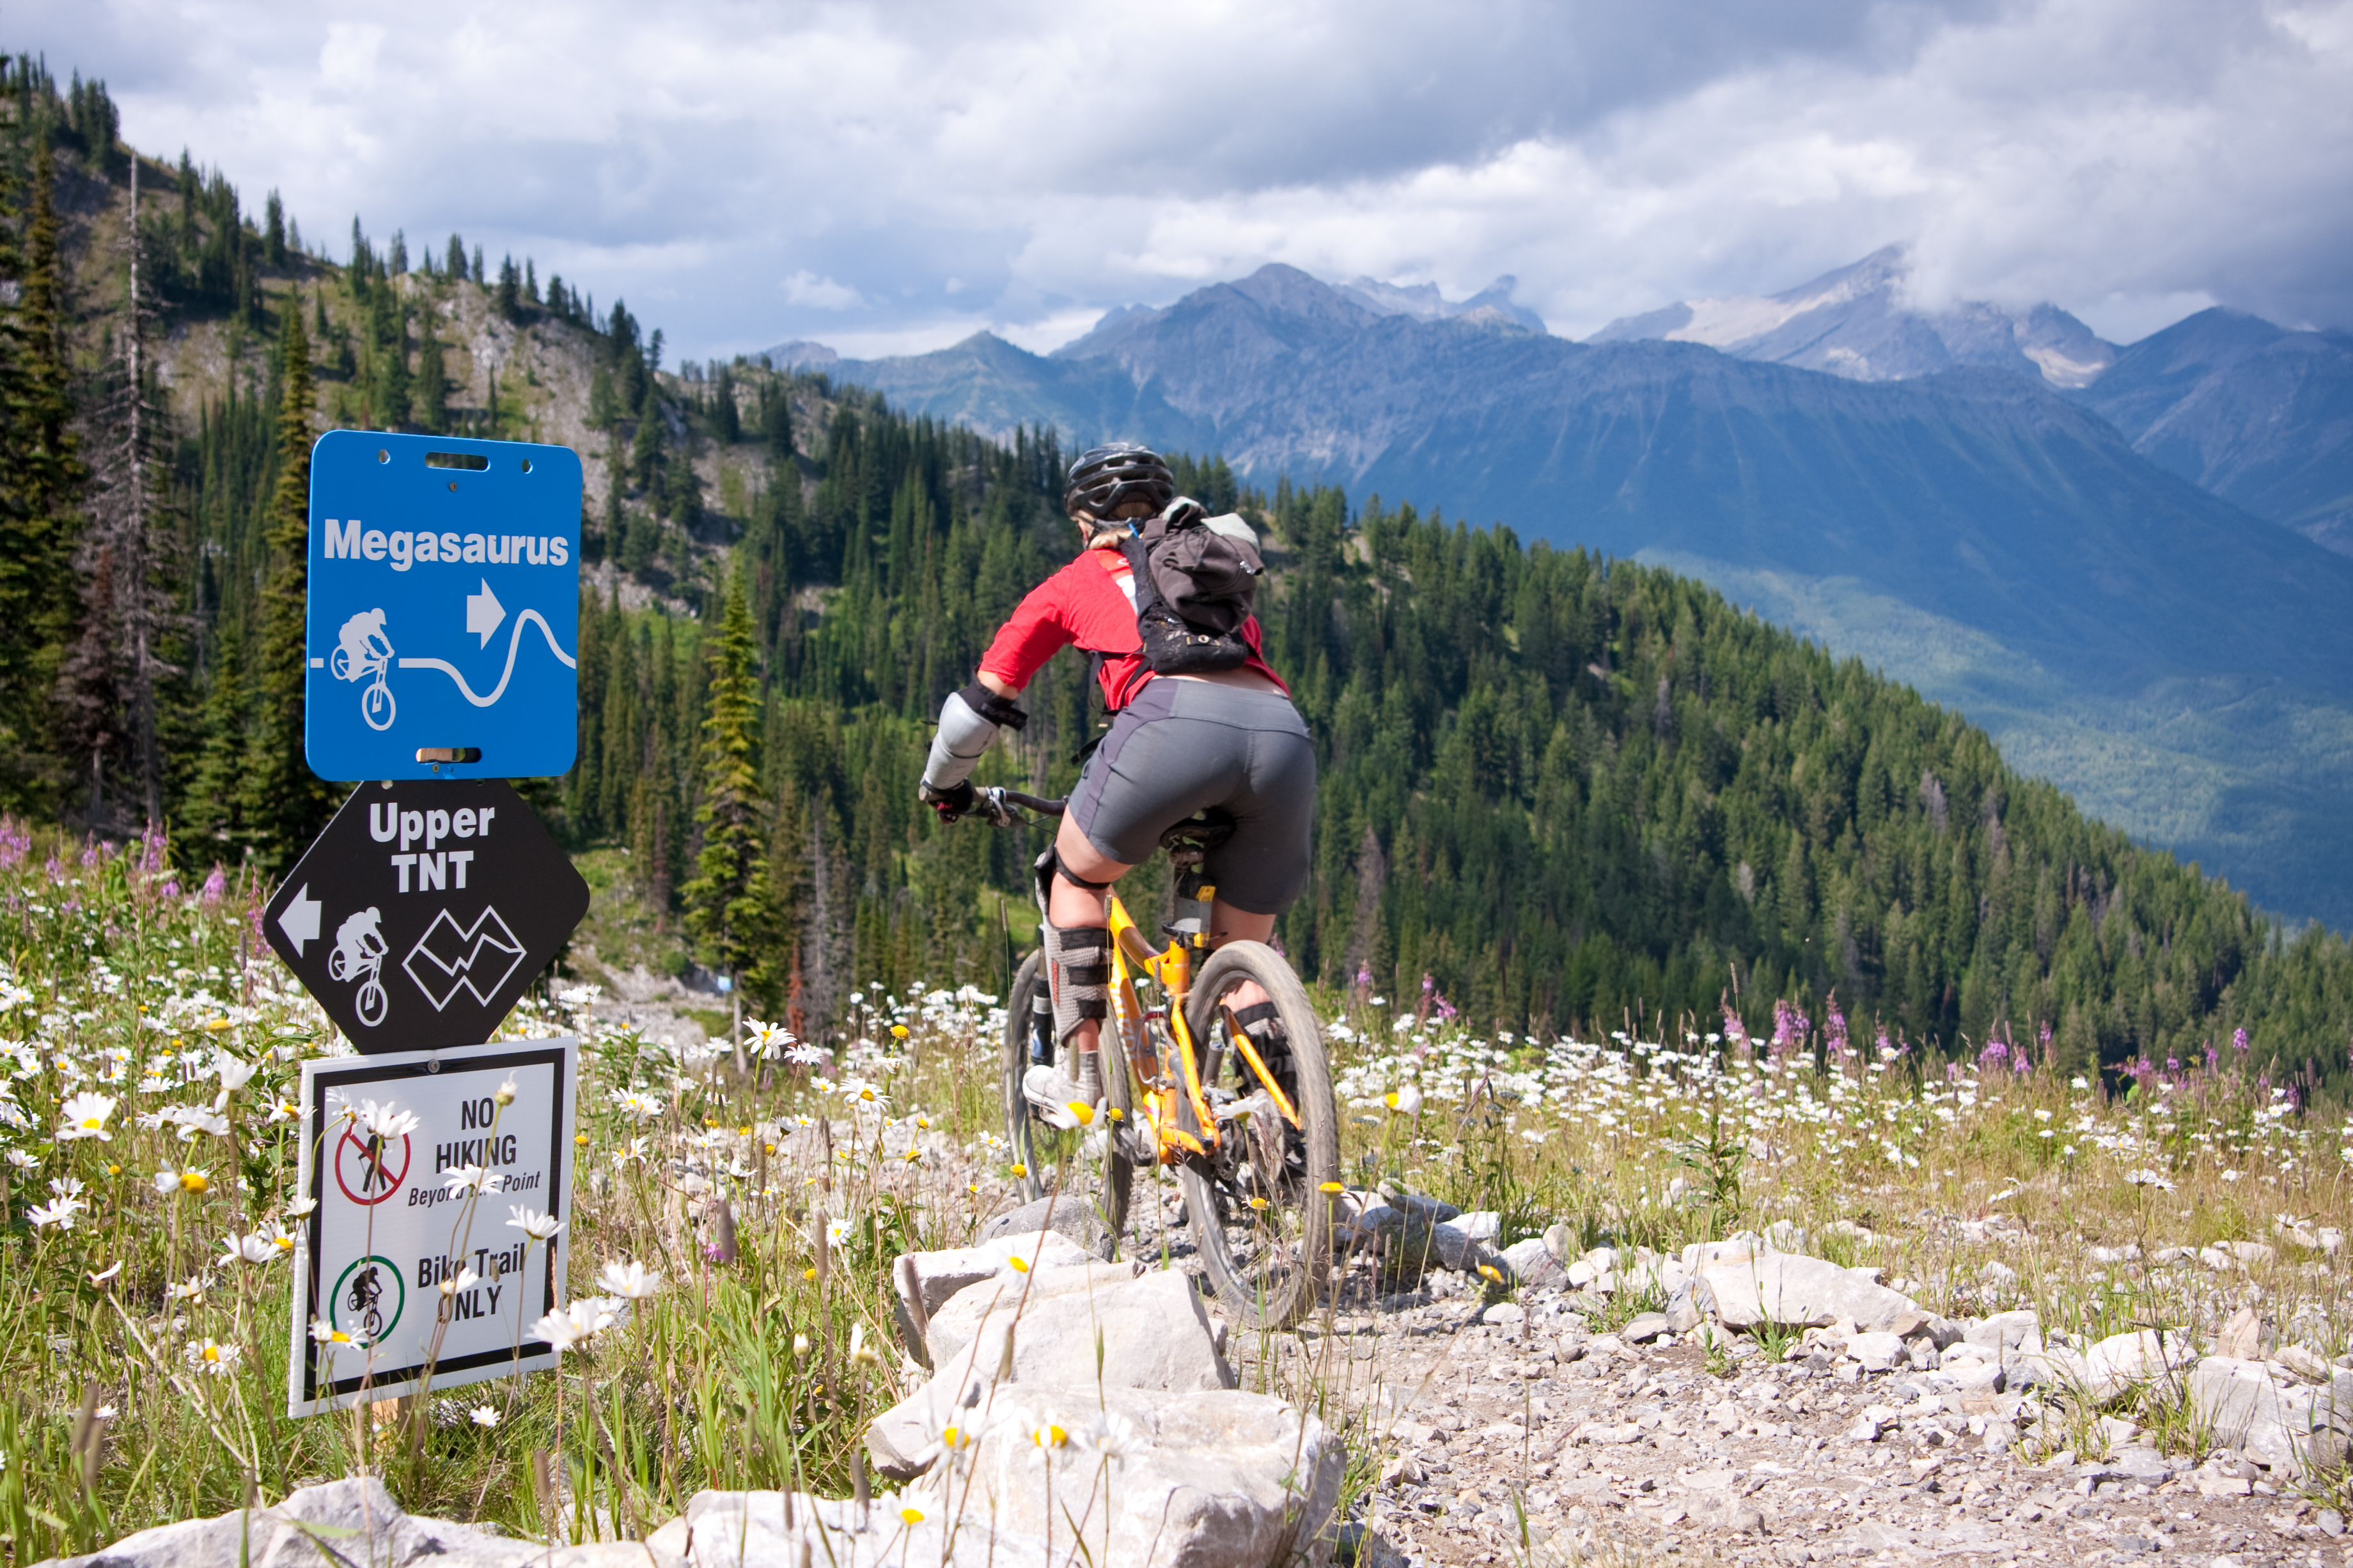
(1558, 793)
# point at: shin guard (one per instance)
(1080, 962)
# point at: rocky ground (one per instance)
(1520, 1433)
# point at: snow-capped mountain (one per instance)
(1425, 303)
(1859, 322)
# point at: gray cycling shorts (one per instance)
(1184, 746)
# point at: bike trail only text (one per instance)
(424, 911)
(442, 1189)
(442, 612)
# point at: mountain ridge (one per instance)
(1983, 497)
(1859, 322)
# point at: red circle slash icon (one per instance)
(369, 1169)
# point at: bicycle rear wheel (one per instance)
(1108, 1176)
(1259, 1211)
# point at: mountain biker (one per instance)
(363, 644)
(1180, 744)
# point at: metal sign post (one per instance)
(444, 608)
(402, 1278)
(424, 911)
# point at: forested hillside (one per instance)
(1557, 791)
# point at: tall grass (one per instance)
(771, 1207)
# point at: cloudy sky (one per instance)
(889, 178)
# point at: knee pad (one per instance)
(1076, 881)
(1080, 960)
(1048, 866)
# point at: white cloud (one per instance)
(805, 287)
(927, 167)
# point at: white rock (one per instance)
(1531, 1262)
(2006, 1331)
(2265, 1412)
(1875, 1351)
(362, 1524)
(757, 1529)
(2306, 1362)
(951, 1269)
(2120, 1361)
(2241, 1338)
(1205, 1481)
(1796, 1291)
(1073, 1218)
(1152, 1327)
(1974, 1379)
(1459, 1242)
(1201, 1480)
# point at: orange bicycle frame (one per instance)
(1157, 1089)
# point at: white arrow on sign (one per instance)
(301, 920)
(483, 613)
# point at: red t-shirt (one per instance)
(1090, 602)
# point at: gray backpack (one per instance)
(1196, 584)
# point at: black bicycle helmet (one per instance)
(1105, 478)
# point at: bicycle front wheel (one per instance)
(1104, 1172)
(1257, 1206)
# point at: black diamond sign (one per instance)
(423, 912)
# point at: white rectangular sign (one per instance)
(370, 1316)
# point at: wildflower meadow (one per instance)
(728, 1321)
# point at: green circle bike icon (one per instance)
(367, 1288)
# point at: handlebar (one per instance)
(996, 805)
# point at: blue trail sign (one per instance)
(443, 623)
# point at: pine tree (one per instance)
(216, 791)
(777, 419)
(731, 903)
(41, 476)
(432, 379)
(284, 804)
(110, 688)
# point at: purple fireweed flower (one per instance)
(1364, 975)
(1995, 1053)
(2239, 1041)
(171, 888)
(1428, 985)
(2213, 1057)
(214, 886)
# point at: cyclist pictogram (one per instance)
(362, 1295)
(363, 652)
(359, 956)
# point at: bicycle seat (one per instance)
(1205, 831)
